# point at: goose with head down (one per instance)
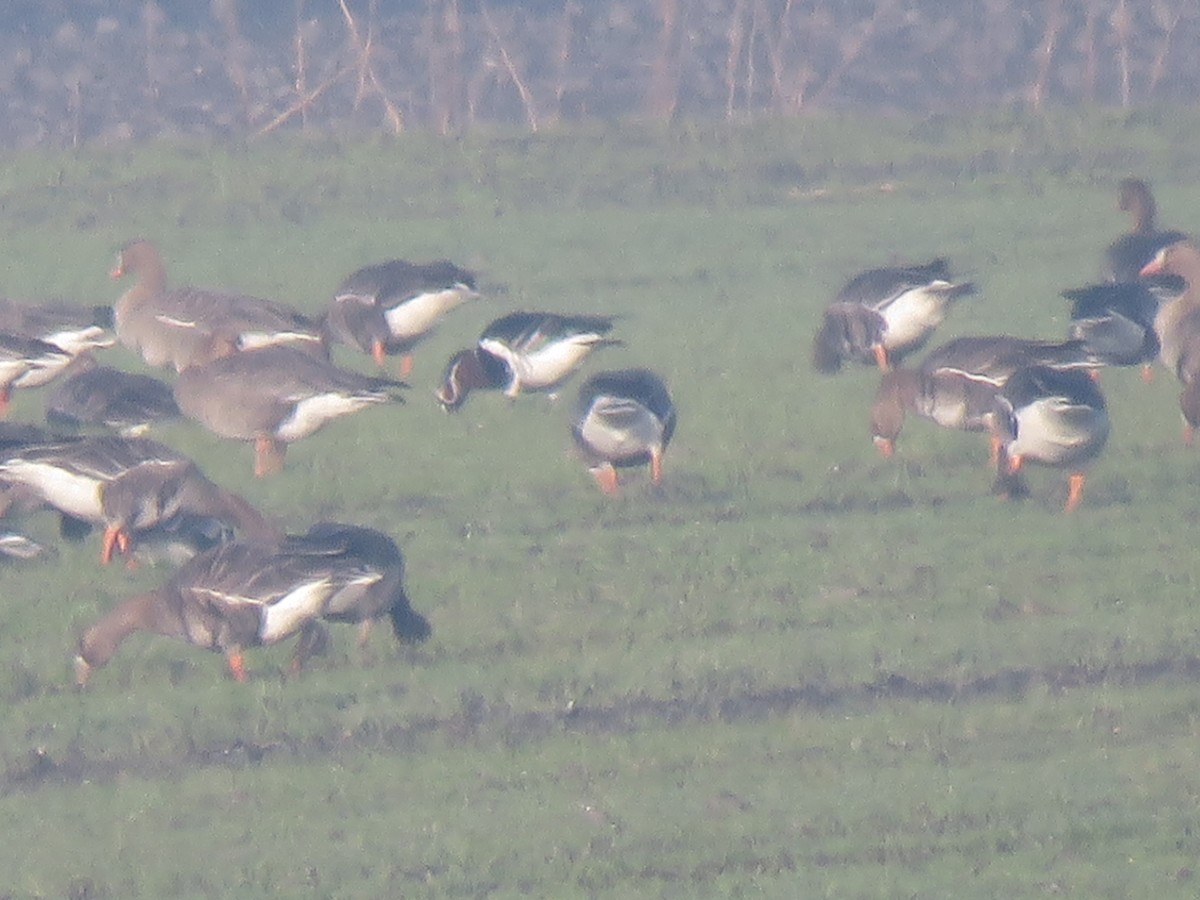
(138, 490)
(623, 418)
(388, 308)
(188, 326)
(883, 314)
(956, 384)
(1051, 417)
(274, 397)
(255, 593)
(523, 351)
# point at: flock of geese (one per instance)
(1038, 400)
(260, 372)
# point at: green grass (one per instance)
(795, 669)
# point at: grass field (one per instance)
(793, 670)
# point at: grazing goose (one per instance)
(390, 307)
(882, 314)
(68, 475)
(623, 418)
(138, 490)
(189, 326)
(96, 395)
(956, 383)
(1128, 255)
(275, 396)
(950, 398)
(173, 501)
(523, 351)
(252, 593)
(1053, 417)
(1177, 325)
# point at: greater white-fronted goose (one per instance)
(275, 396)
(253, 593)
(101, 396)
(1053, 417)
(165, 499)
(950, 398)
(623, 418)
(1125, 258)
(390, 307)
(27, 363)
(956, 383)
(134, 488)
(994, 358)
(187, 326)
(883, 314)
(73, 329)
(1116, 320)
(523, 351)
(1177, 325)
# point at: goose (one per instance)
(623, 418)
(252, 593)
(523, 351)
(275, 396)
(73, 329)
(94, 395)
(1128, 255)
(1177, 326)
(1052, 417)
(883, 314)
(131, 487)
(187, 326)
(389, 307)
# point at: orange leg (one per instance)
(115, 538)
(378, 353)
(881, 358)
(656, 459)
(994, 445)
(406, 365)
(268, 456)
(1074, 491)
(887, 447)
(1014, 464)
(1147, 373)
(237, 665)
(606, 478)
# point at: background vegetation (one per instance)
(794, 670)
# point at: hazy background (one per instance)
(79, 71)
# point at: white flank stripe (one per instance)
(178, 323)
(291, 612)
(313, 412)
(76, 495)
(254, 340)
(418, 314)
